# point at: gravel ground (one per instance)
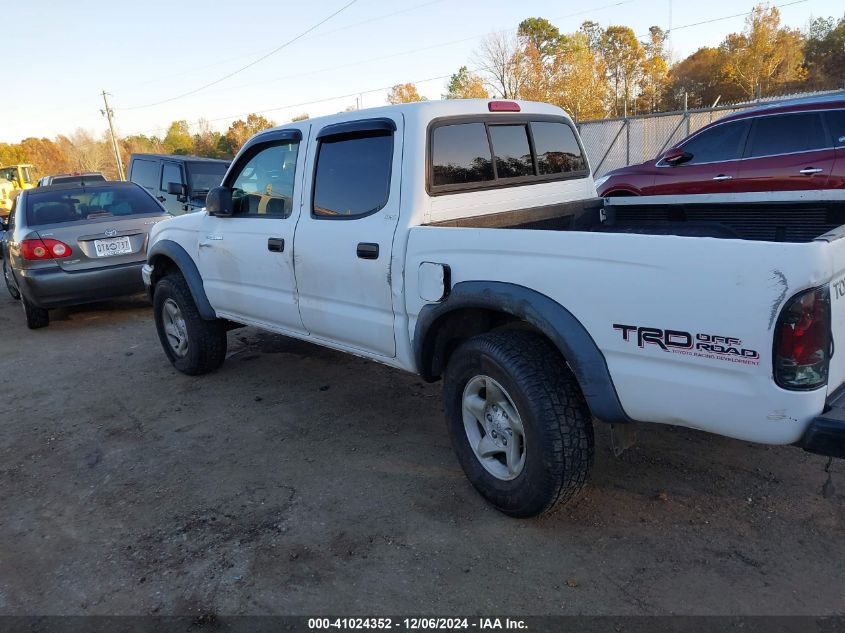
(296, 480)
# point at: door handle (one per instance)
(205, 244)
(809, 171)
(722, 177)
(367, 250)
(161, 199)
(276, 244)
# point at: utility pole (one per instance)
(108, 114)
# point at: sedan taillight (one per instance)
(802, 346)
(34, 250)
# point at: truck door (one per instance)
(246, 259)
(344, 237)
(176, 204)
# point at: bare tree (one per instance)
(502, 62)
(84, 152)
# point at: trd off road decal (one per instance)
(725, 348)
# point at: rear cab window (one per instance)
(74, 205)
(490, 152)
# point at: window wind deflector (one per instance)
(363, 125)
(277, 135)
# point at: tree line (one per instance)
(600, 72)
(592, 73)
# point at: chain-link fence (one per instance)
(614, 143)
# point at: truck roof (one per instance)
(425, 111)
(182, 157)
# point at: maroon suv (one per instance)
(786, 146)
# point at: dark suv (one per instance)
(780, 147)
(179, 182)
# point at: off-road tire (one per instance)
(35, 317)
(206, 339)
(7, 276)
(557, 422)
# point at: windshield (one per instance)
(205, 176)
(9, 173)
(27, 175)
(76, 204)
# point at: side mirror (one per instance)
(676, 156)
(219, 201)
(176, 189)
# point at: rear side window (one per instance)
(557, 148)
(145, 173)
(490, 153)
(786, 134)
(836, 125)
(73, 205)
(723, 142)
(352, 178)
(461, 154)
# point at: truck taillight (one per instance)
(34, 250)
(802, 346)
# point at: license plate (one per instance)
(113, 246)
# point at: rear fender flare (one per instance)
(179, 256)
(556, 322)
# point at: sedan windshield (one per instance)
(206, 176)
(72, 205)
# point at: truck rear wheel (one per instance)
(194, 346)
(518, 422)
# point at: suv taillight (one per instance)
(34, 250)
(803, 341)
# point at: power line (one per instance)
(302, 103)
(359, 92)
(394, 54)
(728, 17)
(249, 65)
(215, 64)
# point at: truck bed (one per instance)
(772, 217)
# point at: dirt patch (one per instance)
(299, 480)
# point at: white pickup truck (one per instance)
(462, 241)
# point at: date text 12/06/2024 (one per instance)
(417, 624)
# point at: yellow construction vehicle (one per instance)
(7, 190)
(13, 179)
(19, 175)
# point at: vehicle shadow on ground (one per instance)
(113, 310)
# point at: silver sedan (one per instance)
(71, 244)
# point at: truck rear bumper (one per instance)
(826, 433)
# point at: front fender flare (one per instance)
(556, 322)
(179, 256)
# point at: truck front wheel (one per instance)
(194, 346)
(518, 422)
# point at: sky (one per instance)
(60, 56)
